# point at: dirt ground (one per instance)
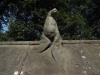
(70, 59)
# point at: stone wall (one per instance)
(76, 57)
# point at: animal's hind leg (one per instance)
(44, 44)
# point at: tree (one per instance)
(77, 19)
(3, 37)
(20, 30)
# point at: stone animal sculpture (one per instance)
(50, 35)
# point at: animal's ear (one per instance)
(54, 10)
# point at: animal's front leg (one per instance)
(44, 43)
(57, 40)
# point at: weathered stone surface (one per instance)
(74, 58)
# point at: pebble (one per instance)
(84, 72)
(77, 66)
(22, 73)
(83, 57)
(16, 73)
(81, 51)
(99, 54)
(90, 67)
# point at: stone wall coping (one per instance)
(37, 42)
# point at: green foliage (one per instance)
(77, 19)
(20, 30)
(3, 37)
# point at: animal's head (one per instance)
(54, 12)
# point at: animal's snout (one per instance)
(55, 10)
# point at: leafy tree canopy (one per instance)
(77, 19)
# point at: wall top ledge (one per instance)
(37, 42)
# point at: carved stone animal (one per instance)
(50, 29)
(50, 35)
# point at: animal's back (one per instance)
(50, 25)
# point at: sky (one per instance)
(5, 27)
